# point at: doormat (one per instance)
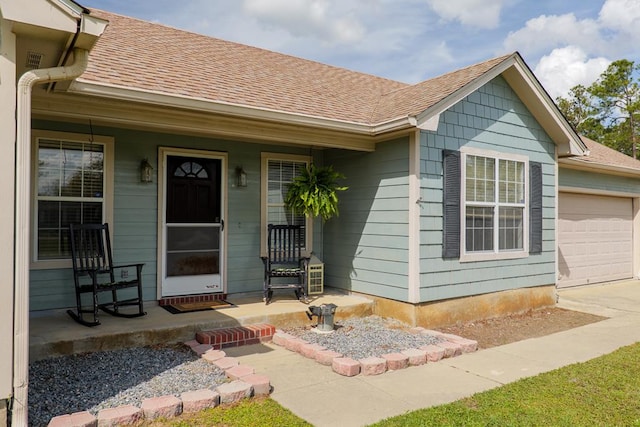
(190, 307)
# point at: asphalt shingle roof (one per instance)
(140, 55)
(602, 155)
(412, 100)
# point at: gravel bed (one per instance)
(107, 379)
(362, 337)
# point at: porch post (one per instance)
(7, 195)
(414, 218)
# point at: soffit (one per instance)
(132, 115)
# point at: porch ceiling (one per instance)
(132, 115)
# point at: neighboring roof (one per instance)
(603, 157)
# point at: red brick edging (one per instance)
(244, 383)
(236, 336)
(450, 346)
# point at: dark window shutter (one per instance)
(535, 208)
(451, 211)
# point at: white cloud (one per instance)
(302, 18)
(621, 15)
(576, 51)
(546, 32)
(567, 67)
(475, 13)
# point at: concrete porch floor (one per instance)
(54, 333)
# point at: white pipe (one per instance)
(23, 222)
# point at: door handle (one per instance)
(222, 225)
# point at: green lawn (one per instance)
(257, 412)
(601, 392)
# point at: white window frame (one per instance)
(496, 253)
(107, 204)
(265, 158)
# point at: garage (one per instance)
(594, 239)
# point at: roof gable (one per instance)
(415, 99)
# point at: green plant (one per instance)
(315, 192)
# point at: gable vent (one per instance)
(34, 59)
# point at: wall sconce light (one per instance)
(241, 177)
(146, 170)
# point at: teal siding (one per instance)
(597, 181)
(366, 246)
(492, 118)
(135, 211)
(365, 249)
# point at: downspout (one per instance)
(23, 222)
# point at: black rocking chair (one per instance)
(284, 260)
(94, 273)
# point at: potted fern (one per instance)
(315, 192)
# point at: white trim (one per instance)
(430, 123)
(414, 218)
(596, 192)
(635, 233)
(264, 162)
(107, 200)
(556, 216)
(221, 107)
(496, 254)
(163, 153)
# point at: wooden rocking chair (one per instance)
(284, 260)
(94, 273)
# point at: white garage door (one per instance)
(594, 239)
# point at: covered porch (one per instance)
(53, 333)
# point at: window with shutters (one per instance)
(494, 215)
(71, 174)
(278, 171)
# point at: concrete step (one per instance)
(236, 336)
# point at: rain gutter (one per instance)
(22, 222)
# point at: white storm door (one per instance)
(192, 229)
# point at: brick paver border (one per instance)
(449, 346)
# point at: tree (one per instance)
(579, 109)
(609, 110)
(619, 99)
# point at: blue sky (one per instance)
(565, 42)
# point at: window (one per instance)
(278, 171)
(486, 208)
(494, 204)
(70, 186)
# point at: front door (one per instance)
(192, 239)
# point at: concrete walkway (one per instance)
(323, 398)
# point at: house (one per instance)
(451, 212)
